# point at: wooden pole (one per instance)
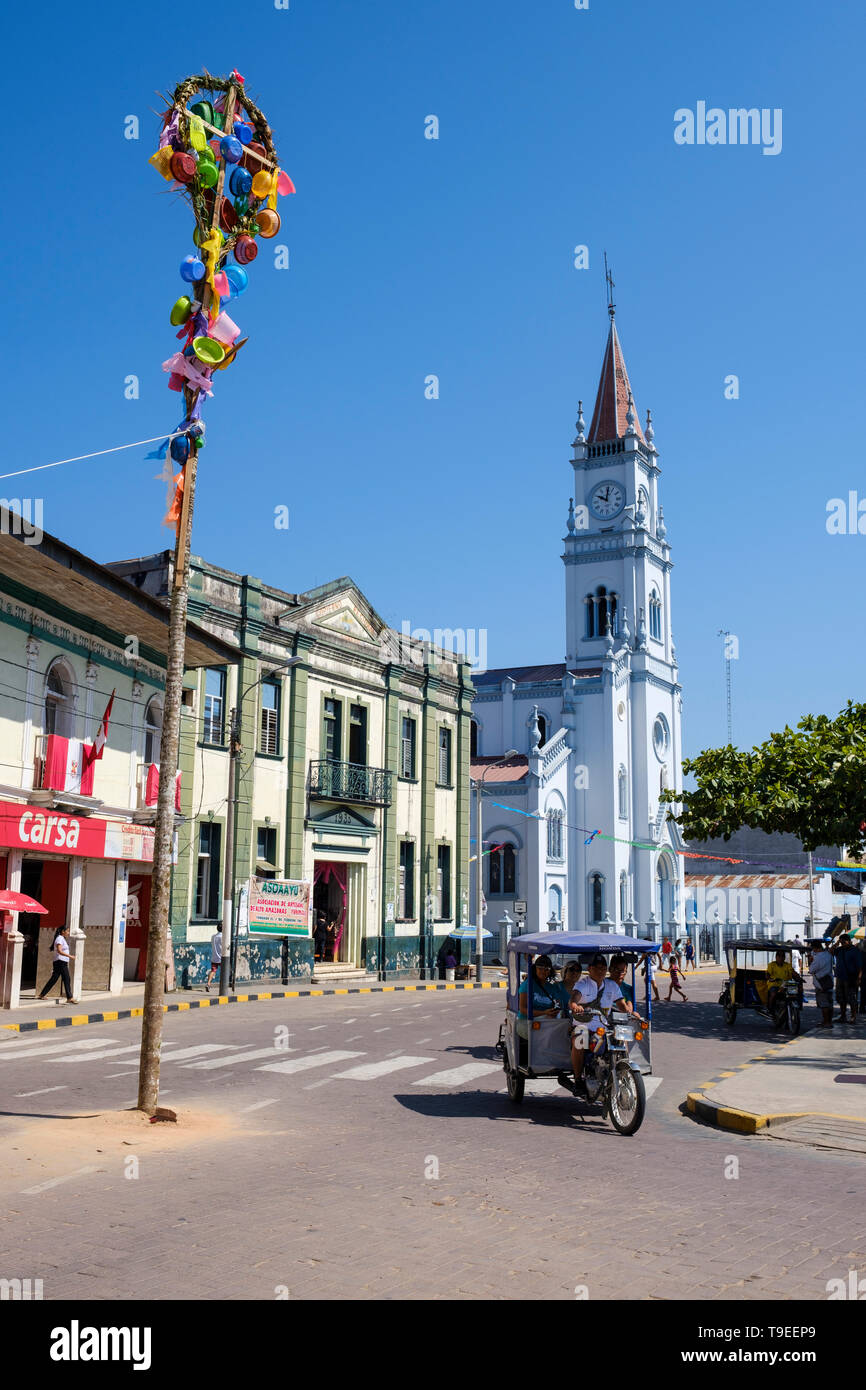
(154, 984)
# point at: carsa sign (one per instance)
(279, 907)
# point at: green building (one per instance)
(352, 775)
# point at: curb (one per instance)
(746, 1121)
(743, 1121)
(184, 1006)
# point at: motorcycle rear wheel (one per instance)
(515, 1083)
(626, 1100)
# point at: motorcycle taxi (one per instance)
(618, 1045)
(748, 983)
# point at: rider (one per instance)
(618, 968)
(592, 989)
(778, 974)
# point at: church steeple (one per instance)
(610, 417)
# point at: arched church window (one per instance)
(622, 793)
(596, 897)
(502, 870)
(554, 834)
(655, 615)
(473, 738)
(554, 899)
(602, 609)
(542, 729)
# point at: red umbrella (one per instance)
(19, 902)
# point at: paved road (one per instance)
(370, 1152)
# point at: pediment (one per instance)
(346, 618)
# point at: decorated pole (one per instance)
(226, 221)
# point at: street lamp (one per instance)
(229, 877)
(479, 895)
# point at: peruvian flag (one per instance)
(102, 732)
(151, 790)
(68, 766)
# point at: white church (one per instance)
(595, 738)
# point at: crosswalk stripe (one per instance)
(238, 1057)
(46, 1049)
(186, 1052)
(457, 1075)
(369, 1071)
(321, 1059)
(98, 1056)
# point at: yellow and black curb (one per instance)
(727, 1117)
(185, 1005)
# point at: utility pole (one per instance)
(811, 899)
(729, 651)
(154, 984)
(479, 845)
(229, 859)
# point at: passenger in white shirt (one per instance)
(591, 989)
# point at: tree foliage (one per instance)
(809, 782)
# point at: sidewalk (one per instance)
(810, 1090)
(108, 1008)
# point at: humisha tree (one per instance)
(809, 782)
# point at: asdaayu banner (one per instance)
(279, 907)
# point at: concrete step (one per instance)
(339, 974)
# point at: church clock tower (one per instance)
(622, 697)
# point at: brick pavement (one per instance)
(326, 1191)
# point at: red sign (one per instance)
(54, 832)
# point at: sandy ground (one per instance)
(52, 1146)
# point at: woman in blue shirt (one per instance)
(547, 996)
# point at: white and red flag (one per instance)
(151, 791)
(102, 732)
(68, 765)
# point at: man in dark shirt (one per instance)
(847, 966)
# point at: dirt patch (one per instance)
(57, 1146)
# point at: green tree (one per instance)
(809, 782)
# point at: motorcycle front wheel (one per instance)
(793, 1020)
(627, 1100)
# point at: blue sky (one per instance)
(455, 257)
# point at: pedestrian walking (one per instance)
(678, 952)
(216, 956)
(60, 959)
(675, 982)
(648, 970)
(821, 970)
(690, 955)
(847, 963)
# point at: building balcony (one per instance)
(370, 786)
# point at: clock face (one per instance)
(606, 500)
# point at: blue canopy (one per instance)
(578, 943)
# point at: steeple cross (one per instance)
(608, 275)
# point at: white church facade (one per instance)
(573, 825)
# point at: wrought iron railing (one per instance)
(350, 782)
